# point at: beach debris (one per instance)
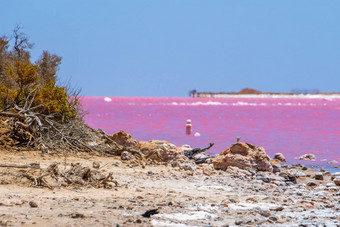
(279, 157)
(77, 174)
(149, 213)
(308, 157)
(126, 155)
(200, 158)
(197, 134)
(31, 165)
(243, 156)
(129, 148)
(191, 153)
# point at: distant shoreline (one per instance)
(269, 95)
(252, 93)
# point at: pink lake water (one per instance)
(292, 126)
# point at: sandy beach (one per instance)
(200, 197)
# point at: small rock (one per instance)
(304, 168)
(289, 178)
(311, 183)
(305, 224)
(310, 157)
(77, 215)
(337, 181)
(276, 165)
(280, 157)
(273, 218)
(243, 221)
(252, 171)
(299, 193)
(33, 204)
(279, 208)
(335, 175)
(96, 165)
(318, 176)
(264, 213)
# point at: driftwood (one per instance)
(190, 154)
(76, 175)
(31, 165)
(15, 115)
(50, 133)
(38, 181)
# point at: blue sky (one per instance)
(167, 48)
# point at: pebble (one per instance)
(280, 157)
(96, 165)
(273, 218)
(305, 224)
(311, 183)
(243, 221)
(337, 181)
(264, 213)
(318, 176)
(33, 204)
(279, 208)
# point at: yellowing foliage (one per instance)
(56, 100)
(23, 73)
(31, 85)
